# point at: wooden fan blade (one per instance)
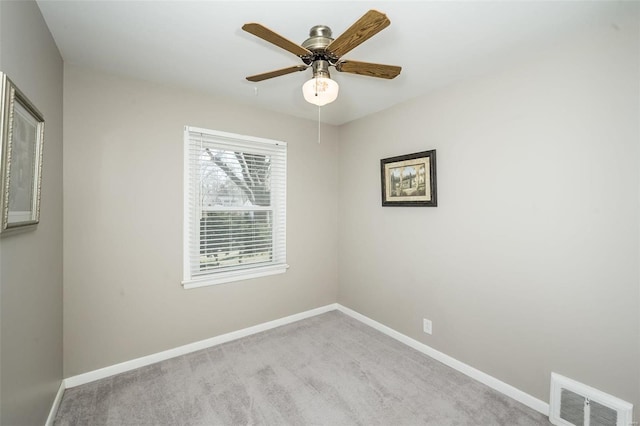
(274, 38)
(363, 29)
(368, 69)
(276, 73)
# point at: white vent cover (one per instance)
(576, 404)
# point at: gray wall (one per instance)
(123, 221)
(31, 262)
(530, 263)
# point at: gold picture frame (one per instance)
(22, 127)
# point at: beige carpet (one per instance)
(325, 370)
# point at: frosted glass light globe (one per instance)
(320, 91)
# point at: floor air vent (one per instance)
(575, 404)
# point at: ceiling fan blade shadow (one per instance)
(272, 37)
(370, 24)
(369, 69)
(276, 73)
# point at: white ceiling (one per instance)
(200, 45)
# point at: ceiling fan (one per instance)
(320, 51)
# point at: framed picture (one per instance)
(21, 159)
(409, 180)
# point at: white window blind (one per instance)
(235, 207)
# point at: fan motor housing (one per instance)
(319, 39)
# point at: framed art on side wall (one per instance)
(21, 159)
(409, 180)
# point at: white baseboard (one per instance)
(55, 405)
(91, 376)
(474, 373)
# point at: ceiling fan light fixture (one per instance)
(321, 50)
(320, 91)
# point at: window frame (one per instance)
(251, 271)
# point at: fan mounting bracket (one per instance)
(319, 56)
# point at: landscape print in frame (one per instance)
(409, 180)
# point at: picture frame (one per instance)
(22, 135)
(409, 180)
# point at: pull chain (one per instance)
(318, 125)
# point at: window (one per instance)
(234, 207)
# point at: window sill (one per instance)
(227, 277)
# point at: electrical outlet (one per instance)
(427, 326)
